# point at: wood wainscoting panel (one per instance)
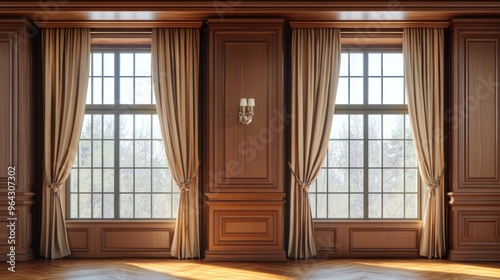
(367, 239)
(481, 154)
(6, 71)
(479, 228)
(385, 240)
(111, 239)
(245, 61)
(475, 143)
(79, 239)
(126, 239)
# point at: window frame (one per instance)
(365, 110)
(116, 110)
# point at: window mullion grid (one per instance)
(117, 139)
(365, 137)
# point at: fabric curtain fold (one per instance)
(66, 59)
(175, 63)
(423, 52)
(315, 72)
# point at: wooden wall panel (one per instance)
(244, 170)
(6, 71)
(245, 61)
(362, 239)
(482, 158)
(384, 240)
(475, 155)
(109, 239)
(16, 122)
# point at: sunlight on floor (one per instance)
(205, 271)
(438, 266)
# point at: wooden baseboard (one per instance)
(252, 256)
(476, 256)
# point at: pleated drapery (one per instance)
(66, 59)
(315, 72)
(175, 63)
(423, 52)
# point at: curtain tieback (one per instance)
(304, 185)
(55, 187)
(435, 185)
(184, 186)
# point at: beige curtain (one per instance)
(423, 51)
(175, 56)
(315, 71)
(66, 58)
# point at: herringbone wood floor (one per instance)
(103, 269)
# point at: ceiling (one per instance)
(126, 13)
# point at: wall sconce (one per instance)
(246, 110)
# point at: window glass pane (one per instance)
(393, 90)
(159, 157)
(411, 180)
(393, 64)
(143, 64)
(126, 126)
(338, 180)
(356, 180)
(393, 127)
(344, 64)
(356, 91)
(126, 91)
(393, 180)
(85, 153)
(97, 126)
(143, 91)
(97, 153)
(109, 126)
(342, 91)
(126, 64)
(356, 64)
(374, 90)
(356, 206)
(374, 64)
(410, 156)
(356, 153)
(374, 206)
(109, 91)
(142, 126)
(374, 180)
(74, 180)
(142, 206)
(109, 204)
(156, 128)
(356, 126)
(374, 153)
(143, 180)
(109, 64)
(96, 206)
(393, 205)
(340, 127)
(97, 64)
(85, 206)
(393, 153)
(322, 210)
(126, 180)
(338, 151)
(74, 206)
(97, 90)
(88, 100)
(374, 127)
(96, 180)
(142, 153)
(109, 180)
(161, 181)
(108, 153)
(408, 131)
(160, 206)
(321, 181)
(339, 207)
(312, 202)
(126, 206)
(87, 127)
(126, 153)
(411, 210)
